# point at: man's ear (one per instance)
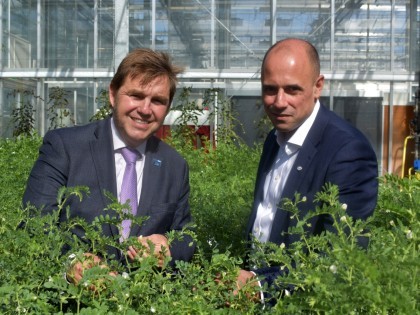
(319, 85)
(111, 93)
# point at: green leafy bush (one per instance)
(333, 275)
(22, 116)
(17, 157)
(222, 183)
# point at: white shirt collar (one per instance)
(299, 136)
(118, 141)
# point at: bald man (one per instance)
(308, 147)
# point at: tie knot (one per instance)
(129, 155)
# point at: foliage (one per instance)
(187, 123)
(331, 273)
(399, 202)
(263, 126)
(105, 108)
(16, 160)
(34, 283)
(222, 183)
(223, 115)
(23, 113)
(220, 116)
(228, 126)
(58, 113)
(227, 198)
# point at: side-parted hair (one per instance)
(148, 65)
(310, 50)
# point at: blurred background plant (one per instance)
(22, 116)
(104, 106)
(59, 113)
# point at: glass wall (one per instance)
(360, 35)
(369, 52)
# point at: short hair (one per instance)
(311, 51)
(148, 64)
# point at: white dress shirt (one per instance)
(277, 177)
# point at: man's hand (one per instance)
(157, 242)
(246, 278)
(75, 272)
(243, 278)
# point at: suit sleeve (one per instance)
(350, 164)
(48, 174)
(182, 249)
(354, 170)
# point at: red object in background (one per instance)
(203, 134)
(163, 132)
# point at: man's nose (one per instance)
(145, 107)
(280, 100)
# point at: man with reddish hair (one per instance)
(141, 93)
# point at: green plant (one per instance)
(183, 132)
(138, 287)
(221, 116)
(17, 156)
(399, 201)
(105, 108)
(228, 126)
(23, 113)
(58, 113)
(222, 182)
(331, 273)
(263, 124)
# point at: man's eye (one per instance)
(135, 96)
(292, 89)
(159, 101)
(270, 90)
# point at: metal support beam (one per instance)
(273, 26)
(121, 31)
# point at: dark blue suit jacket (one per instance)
(83, 156)
(333, 151)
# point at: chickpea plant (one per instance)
(327, 274)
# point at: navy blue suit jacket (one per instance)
(83, 156)
(333, 151)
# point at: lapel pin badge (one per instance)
(299, 168)
(157, 162)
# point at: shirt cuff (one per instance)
(71, 259)
(261, 291)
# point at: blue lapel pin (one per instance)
(157, 162)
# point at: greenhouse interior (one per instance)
(369, 52)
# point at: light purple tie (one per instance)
(129, 187)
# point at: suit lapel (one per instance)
(298, 173)
(102, 152)
(267, 161)
(267, 158)
(306, 154)
(296, 176)
(153, 165)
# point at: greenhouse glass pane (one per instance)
(363, 32)
(140, 24)
(19, 35)
(105, 53)
(68, 29)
